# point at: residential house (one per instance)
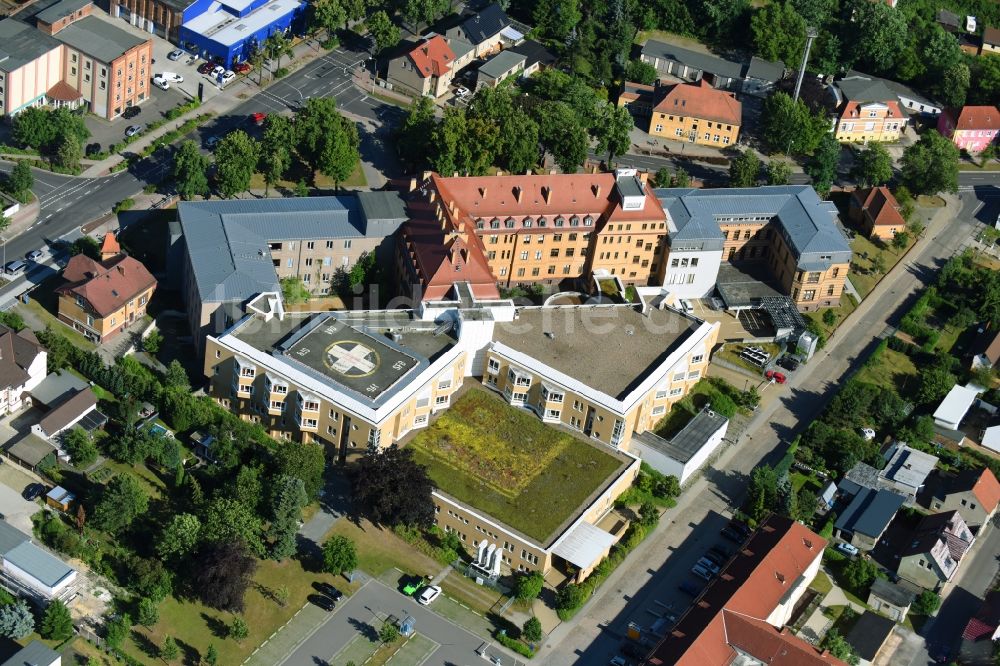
(228, 31)
(229, 252)
(974, 492)
(499, 68)
(32, 571)
(869, 636)
(426, 69)
(488, 31)
(100, 299)
(71, 58)
(677, 61)
(876, 212)
(687, 451)
(536, 56)
(697, 113)
(79, 409)
(939, 543)
(906, 470)
(911, 101)
(866, 110)
(761, 76)
(35, 653)
(986, 349)
(867, 516)
(978, 647)
(891, 599)
(971, 128)
(639, 99)
(991, 41)
(22, 368)
(741, 615)
(955, 406)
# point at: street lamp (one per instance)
(811, 34)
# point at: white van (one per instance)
(15, 268)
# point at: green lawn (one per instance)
(731, 353)
(381, 550)
(895, 370)
(356, 179)
(821, 583)
(846, 307)
(506, 462)
(35, 311)
(865, 250)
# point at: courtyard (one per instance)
(505, 462)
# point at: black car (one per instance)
(733, 535)
(33, 491)
(634, 650)
(326, 603)
(715, 558)
(741, 527)
(130, 112)
(687, 587)
(789, 363)
(330, 591)
(721, 551)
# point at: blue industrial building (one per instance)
(227, 31)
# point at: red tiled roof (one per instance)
(772, 646)
(64, 92)
(881, 206)
(987, 490)
(975, 117)
(107, 286)
(433, 57)
(850, 110)
(753, 584)
(700, 100)
(991, 36)
(110, 245)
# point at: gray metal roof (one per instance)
(10, 537)
(40, 564)
(765, 70)
(900, 89)
(692, 437)
(501, 63)
(227, 241)
(487, 22)
(870, 512)
(99, 39)
(35, 653)
(56, 387)
(862, 88)
(807, 222)
(909, 467)
(382, 205)
(896, 595)
(703, 61)
(533, 52)
(60, 9)
(20, 43)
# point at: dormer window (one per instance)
(480, 224)
(559, 221)
(542, 221)
(509, 223)
(494, 223)
(588, 221)
(527, 222)
(574, 221)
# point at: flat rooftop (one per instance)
(746, 284)
(609, 348)
(690, 440)
(354, 351)
(505, 463)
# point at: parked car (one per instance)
(701, 572)
(733, 535)
(172, 77)
(618, 660)
(715, 558)
(708, 565)
(217, 71)
(847, 549)
(34, 255)
(789, 363)
(161, 82)
(242, 67)
(132, 130)
(721, 551)
(212, 141)
(258, 118)
(330, 591)
(741, 527)
(689, 587)
(33, 491)
(430, 593)
(205, 68)
(130, 112)
(227, 77)
(634, 650)
(461, 91)
(322, 602)
(176, 54)
(15, 267)
(775, 376)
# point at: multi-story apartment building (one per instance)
(426, 69)
(697, 113)
(228, 252)
(866, 110)
(971, 128)
(70, 58)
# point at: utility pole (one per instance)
(811, 34)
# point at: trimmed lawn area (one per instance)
(865, 250)
(894, 371)
(731, 353)
(507, 463)
(381, 550)
(37, 314)
(821, 583)
(846, 307)
(356, 179)
(195, 626)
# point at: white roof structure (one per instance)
(584, 545)
(953, 408)
(991, 438)
(225, 28)
(908, 469)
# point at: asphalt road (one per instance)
(363, 613)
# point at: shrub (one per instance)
(152, 342)
(532, 630)
(926, 603)
(123, 205)
(528, 586)
(281, 72)
(515, 645)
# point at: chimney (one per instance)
(454, 208)
(547, 194)
(553, 172)
(643, 177)
(499, 173)
(596, 188)
(454, 174)
(517, 193)
(121, 269)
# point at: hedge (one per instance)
(181, 109)
(515, 645)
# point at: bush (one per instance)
(181, 109)
(330, 43)
(532, 630)
(281, 72)
(152, 342)
(927, 603)
(123, 205)
(515, 645)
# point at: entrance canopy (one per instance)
(584, 545)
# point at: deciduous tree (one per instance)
(229, 520)
(121, 502)
(562, 134)
(384, 32)
(879, 34)
(778, 172)
(304, 461)
(69, 151)
(276, 146)
(339, 555)
(326, 140)
(286, 513)
(179, 536)
(236, 159)
(744, 169)
(223, 573)
(147, 612)
(642, 72)
(80, 447)
(779, 33)
(788, 126)
(531, 631)
(419, 12)
(391, 489)
(931, 164)
(872, 166)
(822, 167)
(614, 131)
(527, 586)
(21, 180)
(414, 137)
(556, 18)
(239, 630)
(190, 170)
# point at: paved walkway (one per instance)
(817, 625)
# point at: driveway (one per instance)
(363, 613)
(16, 510)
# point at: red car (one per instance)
(775, 376)
(242, 67)
(206, 67)
(258, 118)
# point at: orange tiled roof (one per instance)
(107, 286)
(987, 490)
(700, 100)
(110, 245)
(772, 646)
(881, 206)
(851, 110)
(975, 117)
(753, 584)
(432, 57)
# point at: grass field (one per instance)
(381, 550)
(864, 252)
(506, 462)
(847, 306)
(895, 370)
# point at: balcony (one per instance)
(308, 403)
